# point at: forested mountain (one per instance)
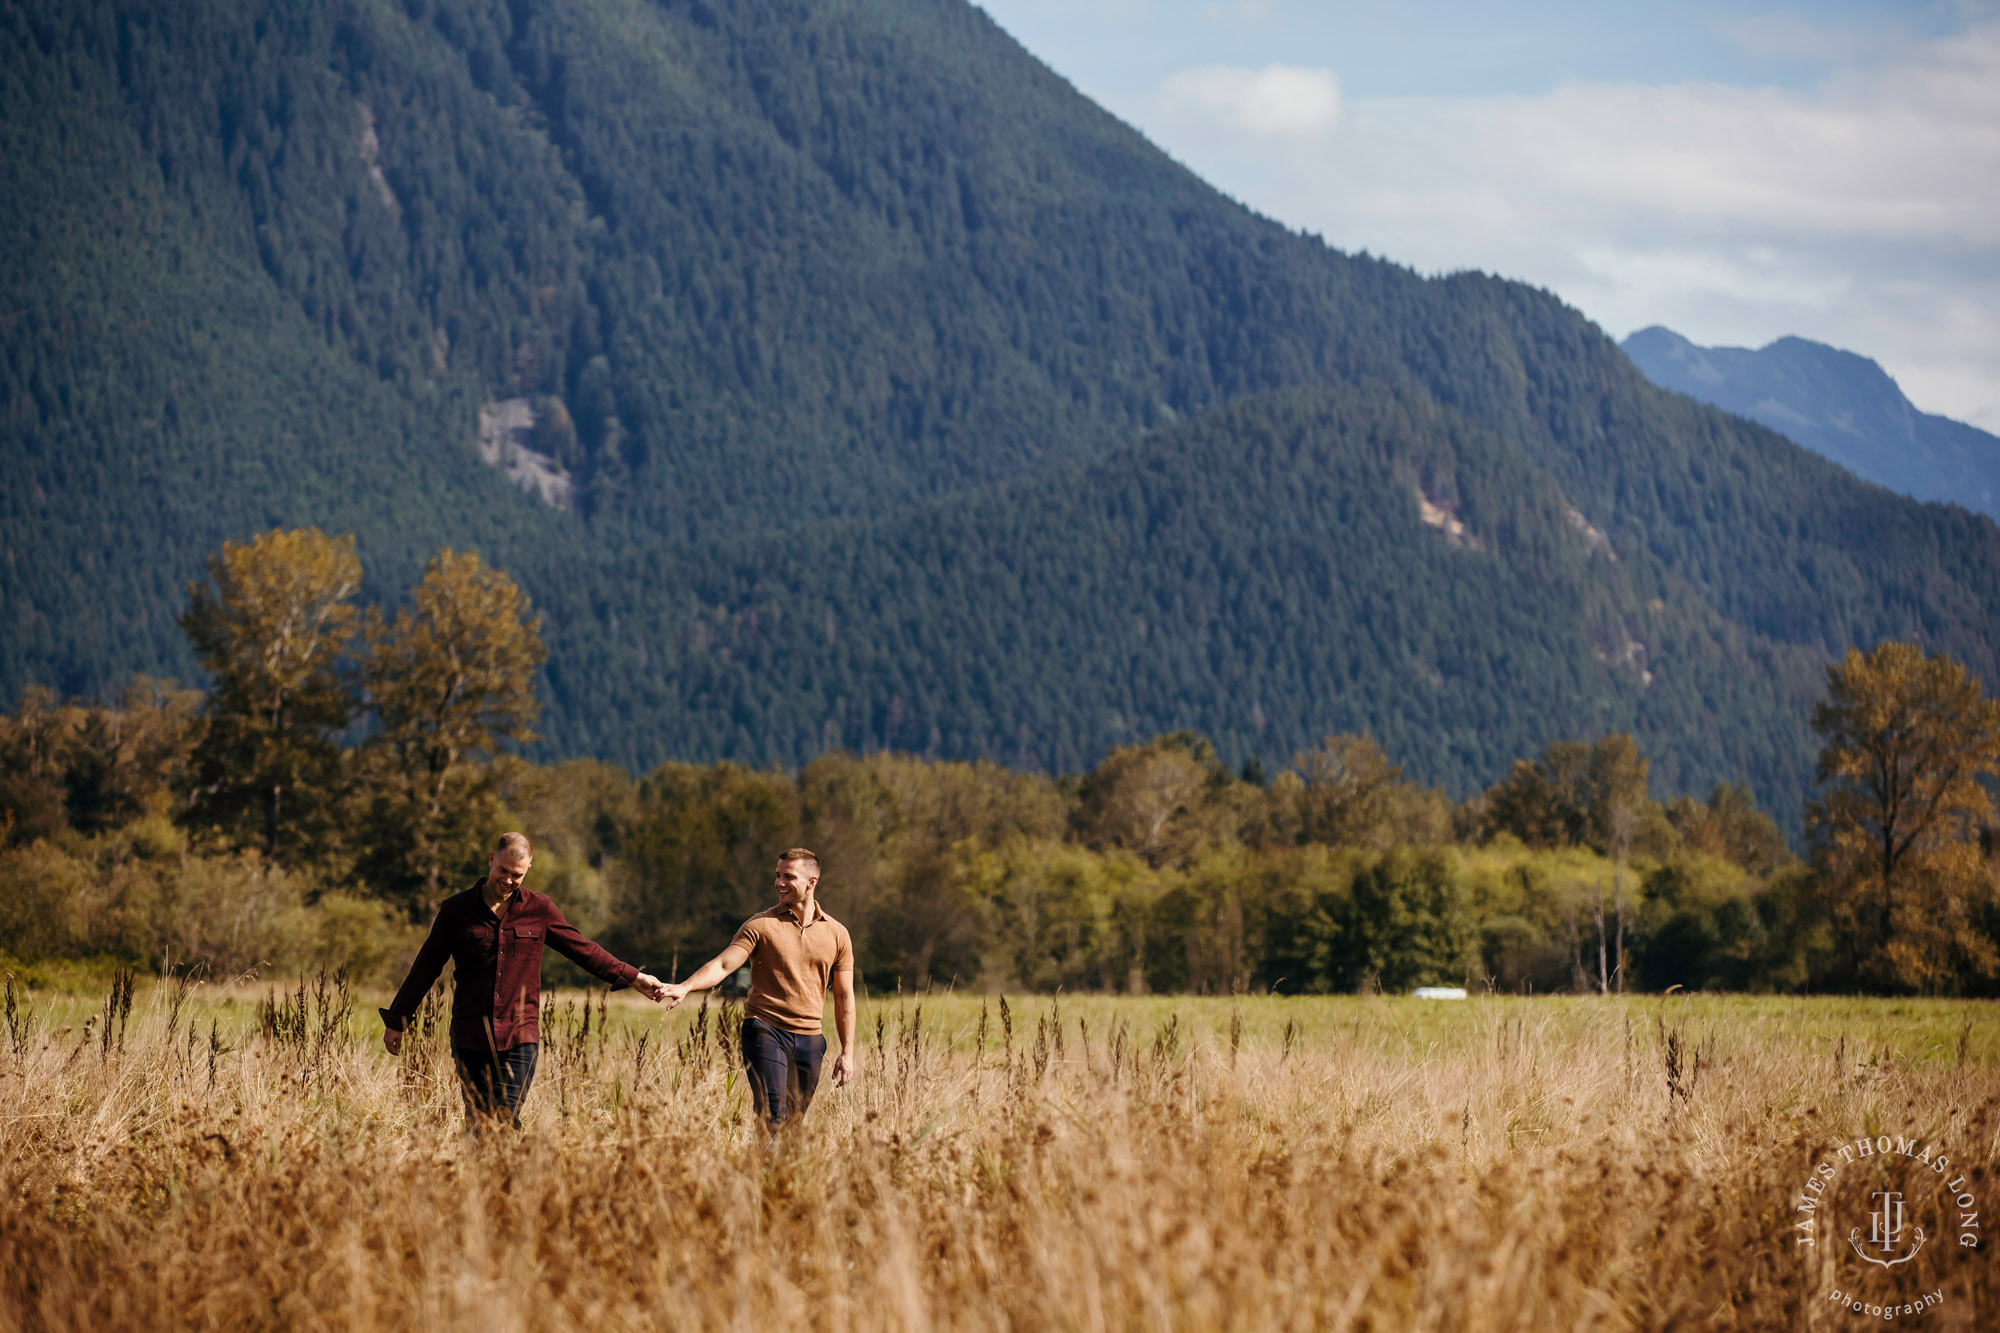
(1837, 404)
(1297, 563)
(892, 393)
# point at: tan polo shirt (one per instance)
(791, 966)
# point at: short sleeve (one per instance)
(747, 935)
(843, 955)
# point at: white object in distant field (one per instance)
(1439, 992)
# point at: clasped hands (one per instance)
(659, 991)
(671, 994)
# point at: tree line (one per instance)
(346, 768)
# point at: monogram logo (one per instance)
(1885, 1230)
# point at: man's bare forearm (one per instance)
(849, 1059)
(711, 973)
(708, 975)
(843, 1019)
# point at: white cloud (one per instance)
(1864, 212)
(1276, 101)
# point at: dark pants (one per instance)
(783, 1068)
(494, 1083)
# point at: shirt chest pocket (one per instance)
(520, 935)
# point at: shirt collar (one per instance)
(818, 913)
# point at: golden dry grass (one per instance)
(1240, 1164)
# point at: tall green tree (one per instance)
(450, 678)
(270, 626)
(1910, 742)
(1407, 922)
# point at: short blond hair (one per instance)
(805, 854)
(513, 845)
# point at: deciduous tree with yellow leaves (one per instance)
(449, 678)
(1909, 739)
(271, 626)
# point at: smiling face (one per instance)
(506, 870)
(795, 881)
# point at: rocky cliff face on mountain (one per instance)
(879, 390)
(1839, 405)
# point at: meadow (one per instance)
(241, 1157)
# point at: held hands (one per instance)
(659, 991)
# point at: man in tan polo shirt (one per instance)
(796, 952)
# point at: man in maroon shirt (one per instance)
(495, 932)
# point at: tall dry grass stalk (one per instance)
(255, 1161)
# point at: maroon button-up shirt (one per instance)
(497, 996)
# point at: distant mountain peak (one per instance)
(1837, 403)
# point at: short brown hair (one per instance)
(513, 844)
(799, 854)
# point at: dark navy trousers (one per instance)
(783, 1068)
(495, 1083)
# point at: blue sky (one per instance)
(1732, 172)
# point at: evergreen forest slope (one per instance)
(905, 397)
(1301, 562)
